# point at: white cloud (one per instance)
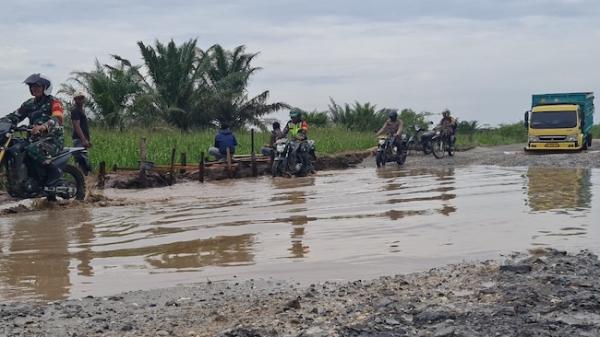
(482, 59)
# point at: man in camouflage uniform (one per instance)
(45, 115)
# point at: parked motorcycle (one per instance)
(441, 143)
(387, 151)
(420, 140)
(293, 157)
(24, 180)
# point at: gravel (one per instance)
(541, 293)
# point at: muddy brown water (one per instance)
(337, 225)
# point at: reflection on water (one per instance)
(299, 222)
(558, 189)
(336, 225)
(442, 192)
(219, 251)
(36, 258)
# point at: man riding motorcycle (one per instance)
(448, 124)
(298, 129)
(392, 127)
(45, 115)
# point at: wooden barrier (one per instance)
(102, 174)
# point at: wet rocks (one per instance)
(548, 293)
(518, 269)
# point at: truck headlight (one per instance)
(571, 138)
(533, 139)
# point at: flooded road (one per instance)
(337, 225)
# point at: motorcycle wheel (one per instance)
(380, 159)
(449, 148)
(73, 177)
(275, 168)
(437, 148)
(427, 148)
(402, 156)
(3, 180)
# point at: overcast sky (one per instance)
(480, 58)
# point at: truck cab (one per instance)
(560, 122)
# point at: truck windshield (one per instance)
(553, 119)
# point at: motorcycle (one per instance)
(24, 180)
(293, 157)
(441, 143)
(387, 151)
(420, 140)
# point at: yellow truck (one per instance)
(560, 121)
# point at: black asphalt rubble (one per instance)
(541, 293)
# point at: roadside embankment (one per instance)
(542, 293)
(503, 155)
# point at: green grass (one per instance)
(504, 134)
(596, 131)
(122, 148)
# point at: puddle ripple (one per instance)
(352, 224)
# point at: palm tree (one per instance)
(358, 116)
(227, 78)
(231, 68)
(111, 91)
(175, 72)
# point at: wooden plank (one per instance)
(201, 168)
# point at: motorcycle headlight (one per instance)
(534, 139)
(381, 141)
(280, 147)
(571, 138)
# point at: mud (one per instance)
(543, 293)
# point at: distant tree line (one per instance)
(182, 86)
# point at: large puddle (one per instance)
(338, 225)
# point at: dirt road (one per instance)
(504, 155)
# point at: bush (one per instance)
(358, 117)
(319, 119)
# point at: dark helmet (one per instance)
(224, 125)
(446, 113)
(295, 115)
(393, 114)
(41, 80)
(276, 125)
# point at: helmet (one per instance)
(41, 80)
(294, 113)
(79, 94)
(446, 112)
(393, 114)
